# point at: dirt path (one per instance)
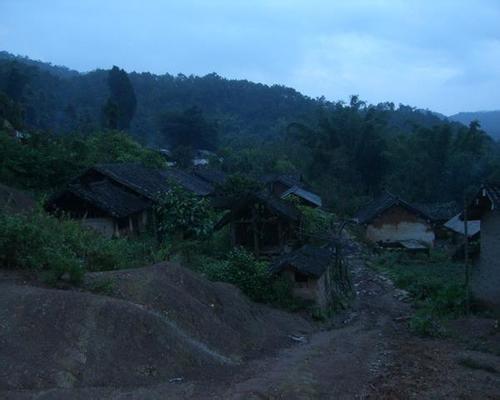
(367, 353)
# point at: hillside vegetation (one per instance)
(347, 152)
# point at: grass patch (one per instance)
(434, 283)
(61, 249)
(104, 287)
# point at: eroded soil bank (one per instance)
(365, 353)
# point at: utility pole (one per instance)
(466, 256)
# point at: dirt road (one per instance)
(367, 353)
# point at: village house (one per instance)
(485, 282)
(308, 269)
(118, 199)
(393, 222)
(263, 223)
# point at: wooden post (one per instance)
(466, 259)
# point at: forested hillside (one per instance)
(61, 100)
(348, 152)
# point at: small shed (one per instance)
(392, 221)
(263, 223)
(486, 275)
(308, 270)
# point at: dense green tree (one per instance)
(10, 111)
(110, 115)
(122, 96)
(188, 128)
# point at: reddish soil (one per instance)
(366, 353)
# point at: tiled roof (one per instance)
(308, 260)
(304, 194)
(439, 212)
(148, 182)
(109, 197)
(188, 181)
(382, 203)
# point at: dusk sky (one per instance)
(438, 54)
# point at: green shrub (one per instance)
(104, 287)
(243, 270)
(317, 224)
(61, 248)
(183, 215)
(424, 324)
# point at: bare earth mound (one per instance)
(165, 322)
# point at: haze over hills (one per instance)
(62, 100)
(489, 120)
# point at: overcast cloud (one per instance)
(438, 54)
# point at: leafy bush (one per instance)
(243, 270)
(317, 224)
(182, 214)
(62, 248)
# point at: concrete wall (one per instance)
(486, 276)
(398, 224)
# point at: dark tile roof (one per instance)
(308, 260)
(304, 194)
(439, 212)
(148, 182)
(108, 197)
(276, 205)
(188, 181)
(382, 203)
